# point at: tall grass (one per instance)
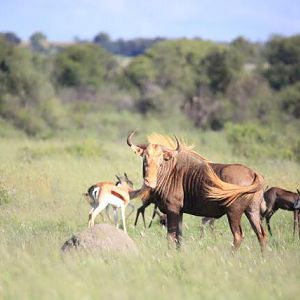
(42, 183)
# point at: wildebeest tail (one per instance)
(219, 190)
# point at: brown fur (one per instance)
(185, 182)
(276, 198)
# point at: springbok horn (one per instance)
(118, 178)
(125, 174)
(298, 191)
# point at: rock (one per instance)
(103, 238)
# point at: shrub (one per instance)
(4, 195)
(254, 141)
(289, 100)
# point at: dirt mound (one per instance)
(103, 238)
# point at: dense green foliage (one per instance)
(283, 55)
(131, 47)
(83, 66)
(45, 89)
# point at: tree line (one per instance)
(211, 83)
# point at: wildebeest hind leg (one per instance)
(234, 219)
(254, 219)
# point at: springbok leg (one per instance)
(116, 216)
(132, 209)
(95, 213)
(123, 218)
(153, 215)
(140, 210)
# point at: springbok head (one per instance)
(154, 157)
(124, 180)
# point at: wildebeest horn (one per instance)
(129, 138)
(137, 149)
(178, 145)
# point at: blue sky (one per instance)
(218, 20)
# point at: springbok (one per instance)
(102, 194)
(276, 198)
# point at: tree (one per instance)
(38, 42)
(101, 38)
(221, 66)
(83, 65)
(11, 37)
(289, 100)
(283, 56)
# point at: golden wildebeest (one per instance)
(185, 182)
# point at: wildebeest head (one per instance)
(154, 156)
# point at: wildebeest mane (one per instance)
(169, 142)
(215, 188)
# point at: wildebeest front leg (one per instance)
(173, 220)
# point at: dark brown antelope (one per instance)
(185, 182)
(276, 198)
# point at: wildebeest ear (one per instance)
(138, 150)
(169, 154)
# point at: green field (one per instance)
(41, 183)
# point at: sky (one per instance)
(217, 20)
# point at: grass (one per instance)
(41, 183)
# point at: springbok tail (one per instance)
(227, 193)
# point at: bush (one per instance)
(289, 100)
(254, 141)
(83, 65)
(4, 195)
